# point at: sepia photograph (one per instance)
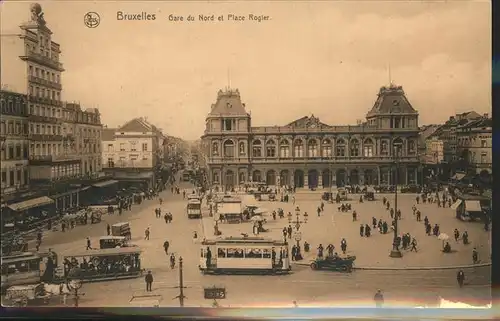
(241, 154)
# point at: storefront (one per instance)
(102, 193)
(29, 214)
(141, 180)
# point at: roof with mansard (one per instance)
(391, 100)
(228, 104)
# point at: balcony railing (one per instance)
(53, 158)
(44, 100)
(129, 164)
(43, 119)
(313, 160)
(45, 82)
(39, 58)
(45, 137)
(326, 130)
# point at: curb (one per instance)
(421, 268)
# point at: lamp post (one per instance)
(297, 235)
(75, 285)
(395, 252)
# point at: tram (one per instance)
(194, 208)
(104, 264)
(20, 268)
(248, 255)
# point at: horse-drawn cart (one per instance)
(25, 295)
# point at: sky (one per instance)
(327, 58)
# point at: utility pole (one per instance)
(181, 287)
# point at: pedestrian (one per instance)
(413, 245)
(460, 278)
(361, 230)
(146, 234)
(37, 245)
(419, 216)
(379, 299)
(149, 281)
(456, 233)
(289, 231)
(195, 236)
(354, 216)
(475, 258)
(285, 232)
(108, 229)
(166, 245)
(89, 247)
(343, 245)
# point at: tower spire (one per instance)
(228, 79)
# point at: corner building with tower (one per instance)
(310, 153)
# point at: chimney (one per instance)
(452, 117)
(486, 115)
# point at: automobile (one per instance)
(327, 196)
(369, 194)
(333, 263)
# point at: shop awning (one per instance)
(458, 176)
(229, 208)
(105, 183)
(35, 202)
(456, 204)
(473, 206)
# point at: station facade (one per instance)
(309, 153)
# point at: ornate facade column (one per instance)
(361, 174)
(306, 178)
(292, 178)
(320, 179)
(378, 175)
(416, 175)
(333, 179)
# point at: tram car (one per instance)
(20, 268)
(244, 255)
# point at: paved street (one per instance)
(302, 285)
(333, 225)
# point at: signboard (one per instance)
(297, 236)
(215, 293)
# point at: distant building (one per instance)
(62, 158)
(133, 153)
(474, 145)
(310, 153)
(14, 144)
(447, 133)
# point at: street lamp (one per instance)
(75, 285)
(395, 252)
(297, 235)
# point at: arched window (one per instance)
(270, 148)
(384, 148)
(354, 146)
(241, 148)
(326, 148)
(368, 148)
(298, 148)
(411, 147)
(340, 148)
(215, 149)
(398, 147)
(284, 148)
(312, 148)
(216, 177)
(228, 148)
(257, 148)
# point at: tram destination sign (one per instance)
(215, 293)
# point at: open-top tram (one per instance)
(248, 255)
